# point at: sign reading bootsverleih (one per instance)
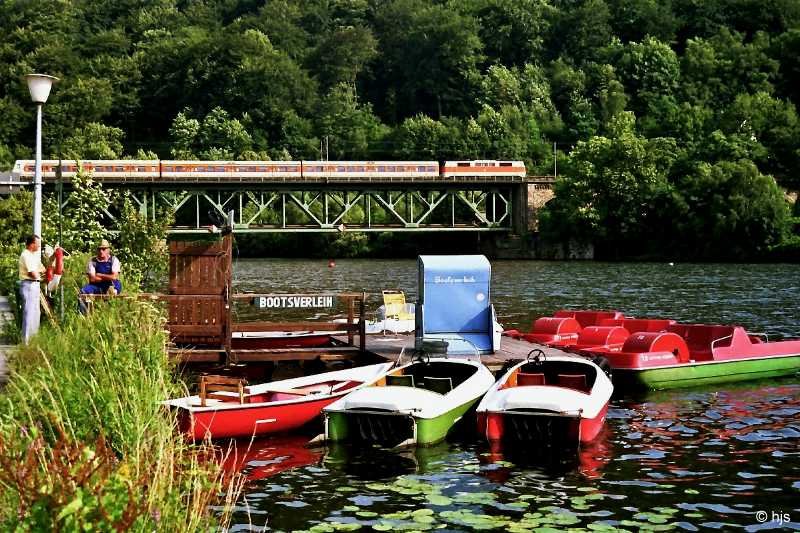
(292, 302)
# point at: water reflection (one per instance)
(688, 459)
(704, 458)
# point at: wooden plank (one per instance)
(195, 329)
(295, 356)
(390, 346)
(241, 327)
(213, 379)
(298, 350)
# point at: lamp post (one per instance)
(39, 86)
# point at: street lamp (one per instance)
(39, 86)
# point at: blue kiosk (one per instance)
(454, 310)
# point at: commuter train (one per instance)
(176, 171)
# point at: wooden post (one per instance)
(350, 313)
(227, 300)
(362, 324)
(202, 391)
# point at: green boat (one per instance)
(417, 403)
(690, 355)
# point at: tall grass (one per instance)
(85, 397)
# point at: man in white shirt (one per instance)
(103, 272)
(30, 273)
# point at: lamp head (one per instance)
(39, 86)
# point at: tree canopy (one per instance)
(647, 101)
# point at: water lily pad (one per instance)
(600, 526)
(519, 505)
(691, 491)
(382, 526)
(653, 518)
(346, 489)
(438, 499)
(378, 486)
(346, 526)
(351, 508)
(422, 512)
(367, 514)
(475, 497)
(424, 519)
(322, 528)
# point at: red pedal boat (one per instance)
(553, 400)
(269, 408)
(652, 353)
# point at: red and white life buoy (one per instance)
(55, 271)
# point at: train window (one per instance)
(359, 169)
(381, 169)
(505, 164)
(339, 169)
(465, 164)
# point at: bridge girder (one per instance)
(327, 208)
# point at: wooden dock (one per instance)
(389, 347)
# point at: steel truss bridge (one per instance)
(491, 204)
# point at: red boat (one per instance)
(258, 340)
(661, 354)
(269, 408)
(553, 400)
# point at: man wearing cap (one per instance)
(103, 272)
(30, 273)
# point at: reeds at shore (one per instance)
(85, 441)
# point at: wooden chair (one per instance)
(212, 384)
(395, 304)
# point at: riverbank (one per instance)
(84, 440)
(6, 317)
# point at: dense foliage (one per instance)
(85, 444)
(649, 103)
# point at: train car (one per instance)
(230, 170)
(486, 168)
(101, 170)
(370, 170)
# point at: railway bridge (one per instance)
(287, 201)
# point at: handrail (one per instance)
(720, 339)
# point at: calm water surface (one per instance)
(724, 458)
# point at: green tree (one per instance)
(730, 210)
(94, 141)
(430, 58)
(352, 128)
(611, 189)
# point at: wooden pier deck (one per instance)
(389, 347)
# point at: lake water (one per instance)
(724, 458)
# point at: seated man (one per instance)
(103, 272)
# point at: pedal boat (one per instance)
(415, 404)
(268, 408)
(557, 400)
(688, 355)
